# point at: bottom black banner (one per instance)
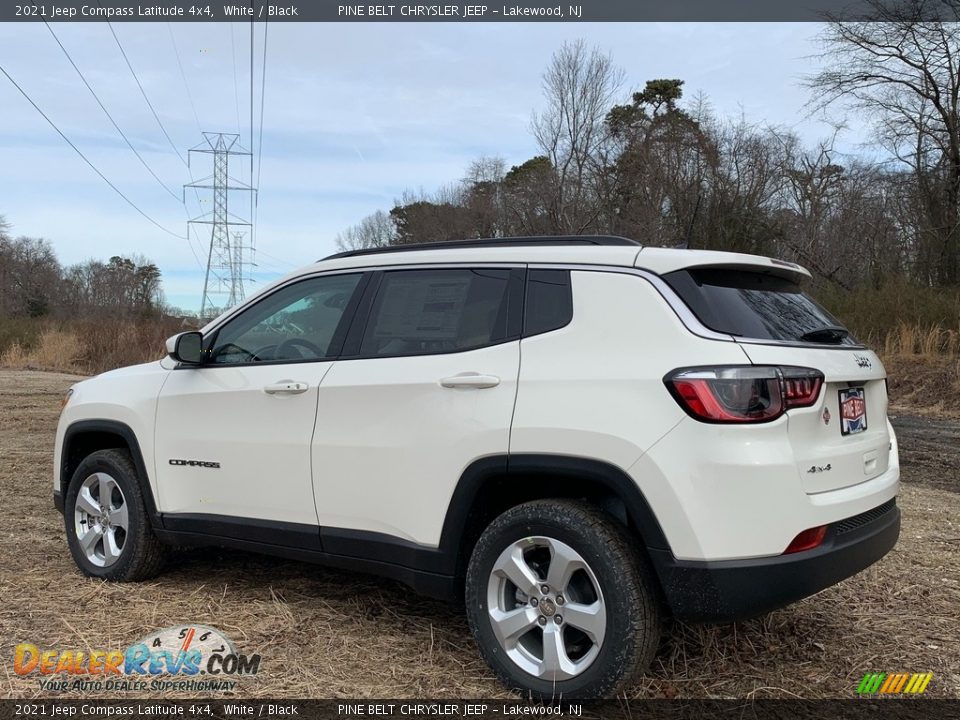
(469, 709)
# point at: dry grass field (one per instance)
(323, 633)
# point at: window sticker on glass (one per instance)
(430, 311)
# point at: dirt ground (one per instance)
(323, 633)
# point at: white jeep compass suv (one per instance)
(576, 436)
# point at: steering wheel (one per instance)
(297, 343)
(231, 348)
(264, 353)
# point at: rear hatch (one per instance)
(840, 440)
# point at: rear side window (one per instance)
(756, 305)
(422, 312)
(549, 304)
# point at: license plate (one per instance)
(853, 411)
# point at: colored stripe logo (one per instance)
(894, 683)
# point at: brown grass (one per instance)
(924, 385)
(333, 634)
(931, 341)
(91, 346)
(55, 349)
(872, 312)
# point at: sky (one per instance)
(353, 115)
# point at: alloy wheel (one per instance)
(101, 519)
(546, 608)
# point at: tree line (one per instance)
(34, 284)
(665, 170)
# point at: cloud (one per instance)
(354, 113)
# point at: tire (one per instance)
(596, 648)
(118, 544)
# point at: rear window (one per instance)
(755, 305)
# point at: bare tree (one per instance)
(376, 230)
(486, 170)
(579, 86)
(903, 69)
(483, 197)
(121, 287)
(29, 277)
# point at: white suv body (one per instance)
(401, 404)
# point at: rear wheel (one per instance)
(560, 602)
(108, 529)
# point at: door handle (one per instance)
(286, 387)
(470, 380)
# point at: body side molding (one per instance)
(270, 532)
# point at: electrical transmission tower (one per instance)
(228, 257)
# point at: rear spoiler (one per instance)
(665, 260)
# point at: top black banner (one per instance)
(477, 11)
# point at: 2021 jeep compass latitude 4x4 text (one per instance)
(576, 436)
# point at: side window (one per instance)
(549, 304)
(296, 323)
(421, 312)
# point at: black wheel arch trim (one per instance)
(447, 558)
(111, 427)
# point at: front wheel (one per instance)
(560, 602)
(108, 529)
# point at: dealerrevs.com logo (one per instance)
(184, 657)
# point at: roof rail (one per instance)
(533, 241)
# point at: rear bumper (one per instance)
(727, 590)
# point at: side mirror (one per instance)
(187, 347)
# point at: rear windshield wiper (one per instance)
(826, 334)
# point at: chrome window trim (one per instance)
(689, 320)
(352, 271)
(686, 315)
(674, 302)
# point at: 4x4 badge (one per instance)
(826, 416)
(863, 361)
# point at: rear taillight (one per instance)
(807, 540)
(743, 394)
(801, 386)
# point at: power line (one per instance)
(193, 107)
(263, 89)
(123, 135)
(183, 75)
(236, 86)
(84, 157)
(251, 102)
(253, 195)
(144, 93)
(196, 117)
(279, 260)
(109, 116)
(192, 251)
